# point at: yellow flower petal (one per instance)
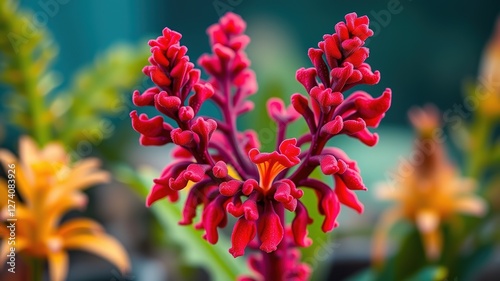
(85, 166)
(23, 185)
(3, 193)
(465, 185)
(79, 226)
(471, 205)
(427, 220)
(25, 220)
(55, 153)
(57, 209)
(102, 245)
(85, 181)
(432, 244)
(428, 224)
(490, 63)
(28, 151)
(60, 201)
(386, 191)
(58, 265)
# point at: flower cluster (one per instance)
(264, 185)
(50, 188)
(432, 194)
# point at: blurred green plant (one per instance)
(97, 91)
(468, 242)
(196, 251)
(480, 143)
(27, 52)
(36, 105)
(25, 67)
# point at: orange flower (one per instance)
(489, 76)
(430, 194)
(49, 188)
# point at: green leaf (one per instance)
(431, 273)
(411, 256)
(470, 265)
(196, 251)
(408, 260)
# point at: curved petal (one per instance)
(346, 196)
(58, 265)
(79, 226)
(428, 225)
(54, 212)
(471, 205)
(385, 191)
(85, 167)
(22, 183)
(28, 151)
(270, 229)
(54, 152)
(26, 220)
(84, 181)
(101, 245)
(243, 233)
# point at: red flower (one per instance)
(271, 164)
(262, 186)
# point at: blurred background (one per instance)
(426, 52)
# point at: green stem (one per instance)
(22, 56)
(41, 131)
(480, 133)
(37, 269)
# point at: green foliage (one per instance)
(430, 273)
(196, 251)
(408, 263)
(26, 53)
(482, 145)
(97, 91)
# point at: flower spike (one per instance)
(223, 167)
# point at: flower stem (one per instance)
(36, 101)
(480, 132)
(230, 118)
(37, 269)
(26, 68)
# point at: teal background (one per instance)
(424, 52)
